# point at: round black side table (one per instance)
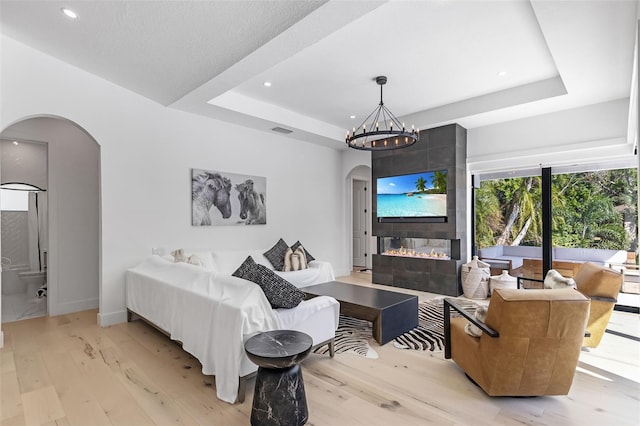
(279, 397)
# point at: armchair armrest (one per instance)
(448, 304)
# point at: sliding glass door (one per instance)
(593, 217)
(596, 209)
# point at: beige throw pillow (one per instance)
(294, 260)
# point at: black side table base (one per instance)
(279, 396)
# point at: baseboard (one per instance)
(112, 318)
(70, 307)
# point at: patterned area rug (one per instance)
(352, 336)
(429, 334)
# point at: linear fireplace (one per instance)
(423, 248)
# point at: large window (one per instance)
(594, 209)
(508, 211)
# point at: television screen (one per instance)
(418, 195)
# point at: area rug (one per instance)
(352, 336)
(429, 334)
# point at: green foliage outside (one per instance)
(589, 210)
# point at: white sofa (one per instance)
(213, 313)
(600, 256)
(511, 255)
(514, 255)
(227, 261)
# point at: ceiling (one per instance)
(442, 57)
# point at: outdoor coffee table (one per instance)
(390, 312)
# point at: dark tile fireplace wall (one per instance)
(439, 148)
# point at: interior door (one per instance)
(360, 237)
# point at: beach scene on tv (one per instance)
(414, 195)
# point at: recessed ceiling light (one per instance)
(267, 84)
(502, 73)
(70, 13)
(352, 117)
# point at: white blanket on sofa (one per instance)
(227, 261)
(211, 313)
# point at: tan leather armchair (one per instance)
(530, 343)
(601, 285)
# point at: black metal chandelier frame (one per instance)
(381, 139)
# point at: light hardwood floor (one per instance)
(66, 370)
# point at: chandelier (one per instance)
(385, 138)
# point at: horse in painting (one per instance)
(209, 189)
(252, 205)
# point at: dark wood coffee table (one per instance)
(390, 312)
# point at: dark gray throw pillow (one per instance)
(279, 292)
(307, 254)
(276, 254)
(248, 270)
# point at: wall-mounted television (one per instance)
(416, 197)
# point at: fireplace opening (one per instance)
(426, 248)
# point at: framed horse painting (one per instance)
(220, 198)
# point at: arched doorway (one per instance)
(74, 240)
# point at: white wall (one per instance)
(147, 152)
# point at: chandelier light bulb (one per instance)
(69, 13)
